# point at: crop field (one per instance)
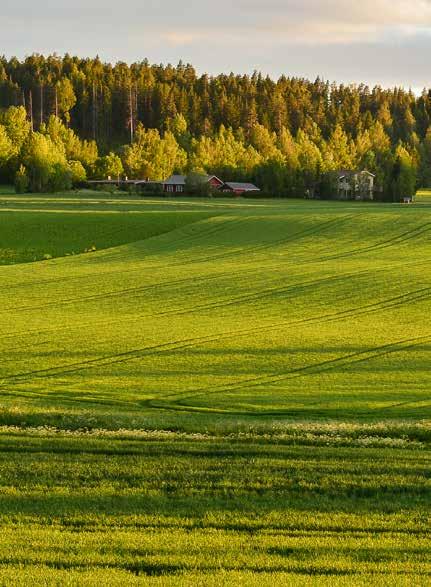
(214, 391)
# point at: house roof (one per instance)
(147, 182)
(246, 187)
(176, 180)
(181, 179)
(210, 177)
(350, 173)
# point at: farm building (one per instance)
(355, 185)
(214, 181)
(177, 183)
(239, 188)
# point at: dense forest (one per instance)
(64, 119)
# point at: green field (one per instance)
(214, 392)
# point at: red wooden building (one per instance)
(176, 184)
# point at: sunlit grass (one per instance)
(218, 392)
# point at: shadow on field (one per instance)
(161, 569)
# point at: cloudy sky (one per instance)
(374, 41)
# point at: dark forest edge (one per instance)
(65, 120)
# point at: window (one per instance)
(180, 188)
(170, 188)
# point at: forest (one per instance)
(66, 119)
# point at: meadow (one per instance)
(214, 392)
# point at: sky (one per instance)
(386, 42)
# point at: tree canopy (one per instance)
(160, 119)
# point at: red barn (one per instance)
(214, 181)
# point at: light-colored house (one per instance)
(355, 185)
(407, 200)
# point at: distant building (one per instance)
(239, 188)
(194, 183)
(355, 185)
(214, 181)
(176, 184)
(407, 200)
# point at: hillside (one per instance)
(223, 392)
(281, 309)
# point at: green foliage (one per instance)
(46, 164)
(109, 166)
(223, 151)
(14, 120)
(235, 126)
(78, 173)
(85, 152)
(60, 178)
(65, 97)
(153, 156)
(404, 175)
(425, 161)
(197, 185)
(22, 181)
(6, 147)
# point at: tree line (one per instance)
(64, 119)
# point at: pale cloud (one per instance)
(365, 40)
(311, 22)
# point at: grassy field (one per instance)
(214, 392)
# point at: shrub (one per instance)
(78, 173)
(21, 180)
(60, 178)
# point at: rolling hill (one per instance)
(221, 368)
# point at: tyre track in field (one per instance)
(396, 240)
(169, 283)
(161, 285)
(122, 292)
(256, 295)
(106, 254)
(310, 231)
(183, 344)
(305, 232)
(102, 274)
(266, 293)
(274, 378)
(143, 266)
(219, 228)
(298, 287)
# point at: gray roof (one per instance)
(247, 187)
(176, 180)
(181, 179)
(350, 173)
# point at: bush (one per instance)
(78, 173)
(22, 181)
(60, 178)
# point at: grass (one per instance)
(224, 392)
